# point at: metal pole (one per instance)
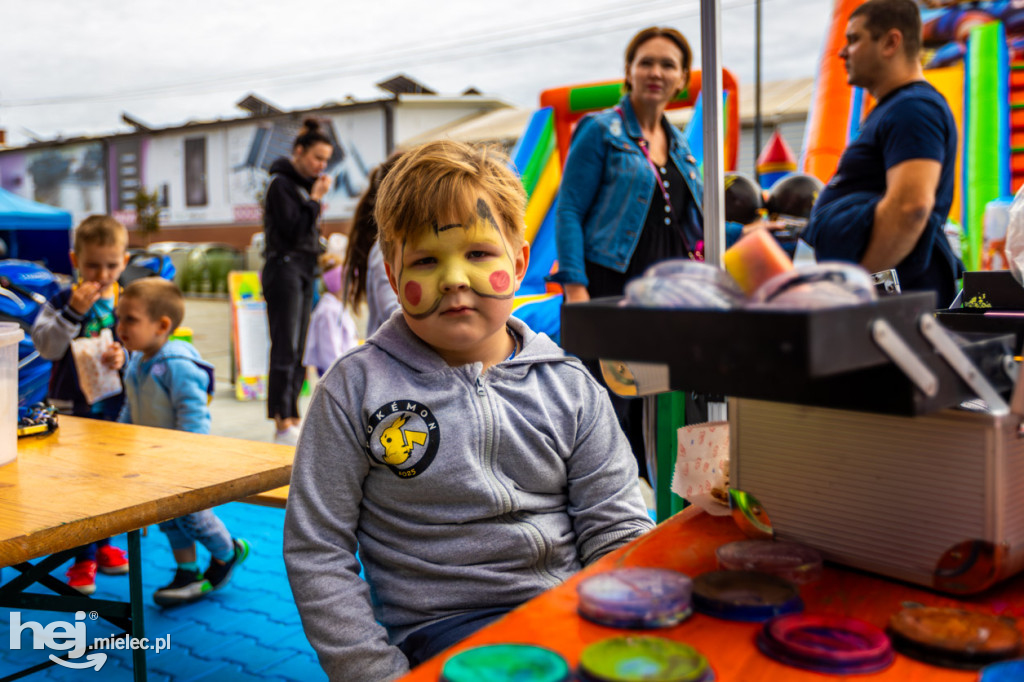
(714, 154)
(757, 87)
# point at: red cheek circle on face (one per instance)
(413, 293)
(500, 280)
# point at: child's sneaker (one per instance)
(187, 586)
(289, 436)
(111, 560)
(82, 576)
(219, 574)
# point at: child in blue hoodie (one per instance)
(168, 385)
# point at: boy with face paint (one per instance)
(474, 464)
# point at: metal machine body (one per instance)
(936, 500)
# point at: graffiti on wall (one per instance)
(69, 177)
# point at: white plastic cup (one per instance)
(10, 335)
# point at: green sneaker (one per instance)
(218, 574)
(187, 586)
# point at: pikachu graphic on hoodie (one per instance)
(398, 443)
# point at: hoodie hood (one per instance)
(395, 338)
(283, 166)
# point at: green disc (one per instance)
(506, 663)
(642, 659)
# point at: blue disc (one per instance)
(1006, 671)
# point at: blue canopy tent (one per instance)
(35, 231)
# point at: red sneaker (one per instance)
(111, 560)
(82, 576)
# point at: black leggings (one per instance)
(288, 289)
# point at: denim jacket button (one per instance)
(691, 159)
(693, 175)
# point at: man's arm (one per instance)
(902, 213)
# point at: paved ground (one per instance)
(248, 631)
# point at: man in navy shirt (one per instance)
(887, 203)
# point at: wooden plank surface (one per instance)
(272, 498)
(93, 479)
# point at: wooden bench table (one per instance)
(91, 480)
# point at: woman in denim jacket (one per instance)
(613, 219)
(631, 192)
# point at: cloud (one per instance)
(81, 64)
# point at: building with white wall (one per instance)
(210, 174)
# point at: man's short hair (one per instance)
(159, 297)
(100, 230)
(881, 16)
(442, 180)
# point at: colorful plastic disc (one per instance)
(1007, 671)
(636, 598)
(642, 659)
(835, 644)
(954, 637)
(745, 595)
(790, 561)
(506, 663)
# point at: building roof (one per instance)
(403, 85)
(783, 100)
(502, 126)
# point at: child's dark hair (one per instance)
(100, 230)
(363, 234)
(309, 135)
(160, 297)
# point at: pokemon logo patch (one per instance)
(403, 435)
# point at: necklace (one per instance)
(694, 254)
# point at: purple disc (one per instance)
(636, 598)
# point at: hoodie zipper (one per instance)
(506, 499)
(543, 546)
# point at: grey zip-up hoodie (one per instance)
(464, 490)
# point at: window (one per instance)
(195, 171)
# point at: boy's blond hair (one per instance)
(442, 180)
(159, 297)
(100, 230)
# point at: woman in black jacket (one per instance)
(290, 216)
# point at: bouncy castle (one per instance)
(541, 152)
(974, 56)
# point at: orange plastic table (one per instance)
(687, 542)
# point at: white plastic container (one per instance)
(10, 335)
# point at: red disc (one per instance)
(836, 640)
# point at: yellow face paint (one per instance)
(446, 258)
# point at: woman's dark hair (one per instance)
(659, 32)
(309, 135)
(363, 234)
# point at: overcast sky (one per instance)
(70, 68)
